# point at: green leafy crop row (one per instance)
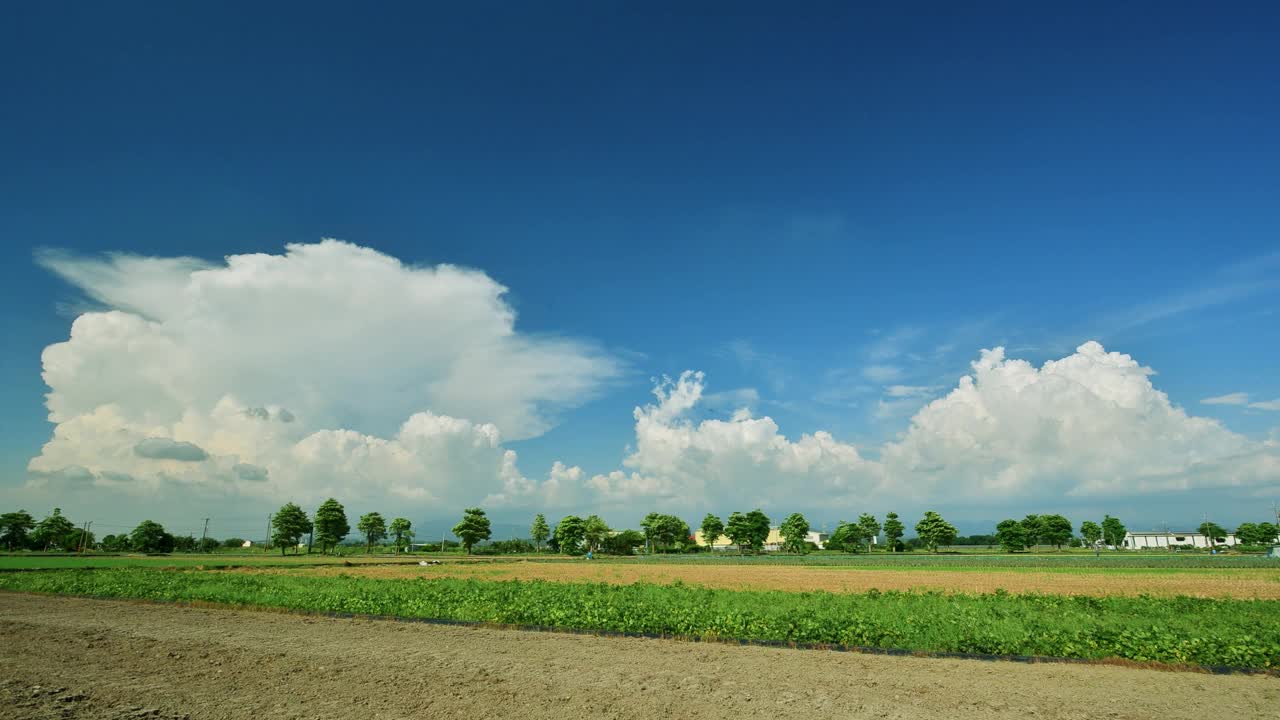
(1107, 561)
(1235, 633)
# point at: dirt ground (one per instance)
(75, 658)
(1259, 584)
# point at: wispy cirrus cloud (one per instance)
(1242, 398)
(1236, 398)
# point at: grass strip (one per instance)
(1180, 631)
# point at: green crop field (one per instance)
(37, 561)
(1181, 631)
(1040, 561)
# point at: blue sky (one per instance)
(813, 206)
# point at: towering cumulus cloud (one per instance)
(330, 368)
(336, 370)
(1088, 424)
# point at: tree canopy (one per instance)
(794, 530)
(539, 531)
(373, 527)
(934, 531)
(1091, 532)
(594, 531)
(288, 525)
(893, 530)
(330, 524)
(53, 532)
(748, 530)
(1012, 535)
(1113, 531)
(1055, 530)
(571, 533)
(401, 532)
(712, 528)
(1213, 531)
(1263, 533)
(868, 529)
(664, 531)
(473, 528)
(150, 537)
(844, 538)
(15, 530)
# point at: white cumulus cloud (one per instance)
(1088, 424)
(336, 370)
(329, 368)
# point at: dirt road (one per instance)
(112, 659)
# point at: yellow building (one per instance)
(772, 543)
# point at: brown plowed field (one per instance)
(75, 658)
(1260, 584)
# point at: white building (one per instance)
(1163, 539)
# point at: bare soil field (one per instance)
(1256, 584)
(76, 658)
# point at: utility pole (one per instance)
(84, 538)
(204, 535)
(266, 544)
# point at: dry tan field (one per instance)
(1257, 584)
(75, 658)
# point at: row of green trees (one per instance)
(573, 534)
(20, 531)
(290, 523)
(1015, 535)
(749, 531)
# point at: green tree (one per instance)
(53, 532)
(1268, 533)
(150, 537)
(539, 531)
(15, 530)
(115, 543)
(1213, 531)
(868, 528)
(1012, 535)
(185, 543)
(712, 528)
(1032, 527)
(594, 531)
(402, 532)
(570, 534)
(473, 528)
(79, 538)
(748, 530)
(1091, 532)
(664, 531)
(845, 538)
(794, 530)
(1263, 533)
(1055, 530)
(288, 526)
(373, 527)
(624, 543)
(1113, 531)
(893, 530)
(935, 532)
(233, 542)
(331, 524)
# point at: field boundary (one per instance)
(779, 644)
